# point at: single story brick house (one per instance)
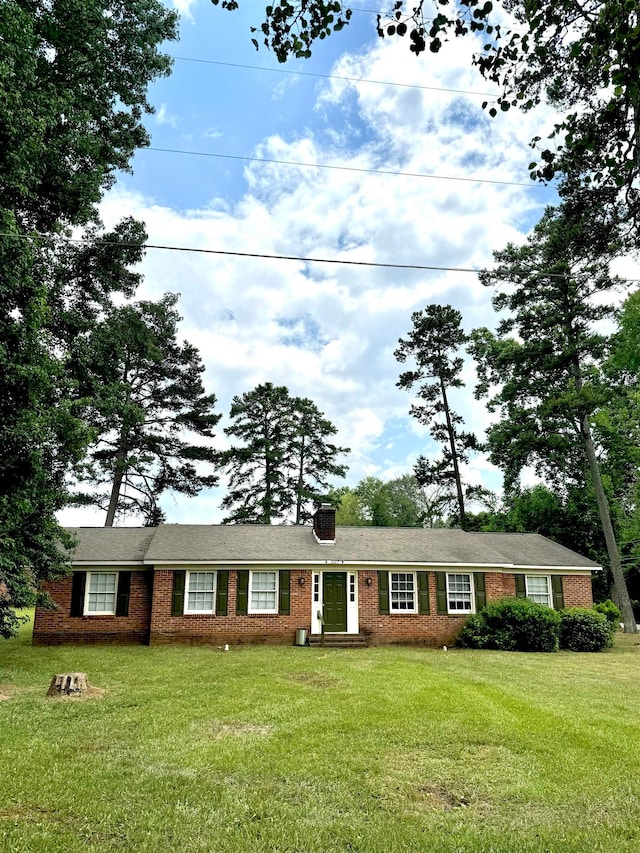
(260, 583)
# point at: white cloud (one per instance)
(329, 331)
(164, 117)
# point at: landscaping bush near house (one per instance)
(610, 610)
(582, 629)
(512, 625)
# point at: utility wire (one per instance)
(274, 257)
(529, 185)
(194, 249)
(335, 77)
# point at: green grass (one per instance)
(289, 749)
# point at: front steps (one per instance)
(339, 641)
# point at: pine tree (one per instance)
(548, 375)
(433, 342)
(146, 405)
(313, 457)
(284, 459)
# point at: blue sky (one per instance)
(327, 332)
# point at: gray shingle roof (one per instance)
(111, 544)
(192, 543)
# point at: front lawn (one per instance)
(311, 750)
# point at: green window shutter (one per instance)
(78, 585)
(521, 587)
(441, 593)
(242, 593)
(383, 592)
(558, 595)
(124, 590)
(480, 588)
(177, 598)
(222, 592)
(423, 593)
(284, 592)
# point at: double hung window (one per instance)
(402, 592)
(100, 593)
(538, 589)
(459, 593)
(200, 592)
(263, 592)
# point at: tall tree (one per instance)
(581, 55)
(284, 460)
(547, 394)
(314, 459)
(259, 488)
(617, 425)
(146, 405)
(73, 77)
(433, 344)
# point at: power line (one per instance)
(335, 77)
(196, 250)
(265, 256)
(529, 185)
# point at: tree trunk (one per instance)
(300, 482)
(115, 488)
(454, 458)
(68, 684)
(619, 584)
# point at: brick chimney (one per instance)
(324, 524)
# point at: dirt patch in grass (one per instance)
(4, 697)
(29, 813)
(314, 679)
(218, 730)
(442, 798)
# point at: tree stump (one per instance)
(68, 684)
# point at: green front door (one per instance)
(334, 603)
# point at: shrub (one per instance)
(512, 625)
(474, 633)
(609, 609)
(582, 629)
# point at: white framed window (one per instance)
(100, 593)
(402, 592)
(316, 588)
(538, 589)
(200, 592)
(263, 592)
(459, 593)
(352, 588)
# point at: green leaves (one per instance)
(285, 460)
(146, 404)
(432, 343)
(73, 78)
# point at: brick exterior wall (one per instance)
(232, 629)
(434, 630)
(55, 627)
(415, 628)
(150, 619)
(577, 591)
